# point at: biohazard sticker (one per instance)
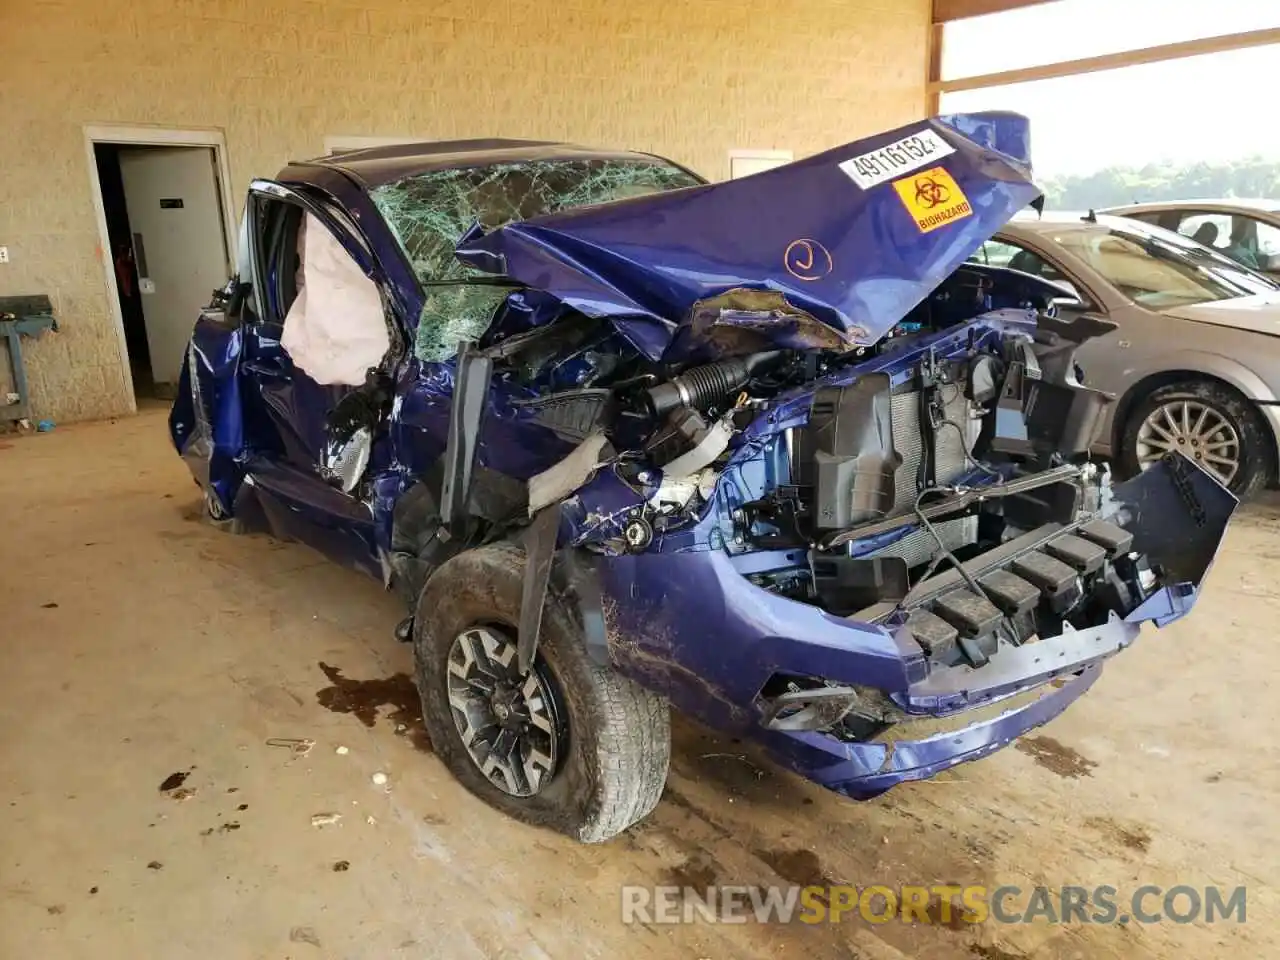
(933, 199)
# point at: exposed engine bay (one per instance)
(874, 446)
(978, 447)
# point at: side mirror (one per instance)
(229, 300)
(1066, 306)
(346, 461)
(235, 301)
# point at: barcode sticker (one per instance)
(868, 170)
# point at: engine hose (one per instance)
(702, 386)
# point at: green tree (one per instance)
(1111, 186)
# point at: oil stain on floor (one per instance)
(1054, 756)
(697, 873)
(1132, 836)
(364, 699)
(174, 780)
(801, 867)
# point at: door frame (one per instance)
(122, 135)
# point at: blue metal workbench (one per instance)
(30, 316)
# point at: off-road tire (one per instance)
(1255, 439)
(614, 764)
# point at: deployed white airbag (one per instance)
(335, 330)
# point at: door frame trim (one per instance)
(143, 136)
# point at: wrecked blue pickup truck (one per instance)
(772, 450)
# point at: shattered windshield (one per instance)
(429, 212)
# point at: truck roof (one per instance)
(375, 166)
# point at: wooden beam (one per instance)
(933, 96)
(1111, 61)
(944, 11)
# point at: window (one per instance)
(1139, 146)
(429, 212)
(995, 253)
(1210, 229)
(1072, 29)
(333, 326)
(1242, 238)
(743, 163)
(1156, 272)
(334, 330)
(998, 253)
(1011, 256)
(1269, 244)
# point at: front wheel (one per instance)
(217, 517)
(1210, 424)
(571, 745)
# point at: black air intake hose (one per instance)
(702, 386)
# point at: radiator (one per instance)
(950, 462)
(919, 547)
(950, 445)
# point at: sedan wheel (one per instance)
(1195, 430)
(1209, 423)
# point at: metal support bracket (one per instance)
(466, 414)
(539, 548)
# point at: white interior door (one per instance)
(178, 244)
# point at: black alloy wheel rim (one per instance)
(509, 724)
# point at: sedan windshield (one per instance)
(1159, 270)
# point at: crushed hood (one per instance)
(844, 243)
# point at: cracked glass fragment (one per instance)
(455, 312)
(429, 212)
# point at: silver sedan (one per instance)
(1195, 360)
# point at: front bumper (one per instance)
(692, 627)
(865, 770)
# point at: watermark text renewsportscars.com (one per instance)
(934, 904)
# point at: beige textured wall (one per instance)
(690, 79)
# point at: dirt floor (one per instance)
(149, 662)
